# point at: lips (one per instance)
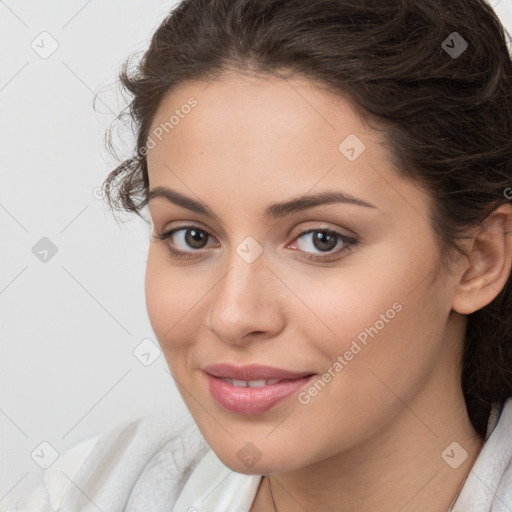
(252, 389)
(253, 372)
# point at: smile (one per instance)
(249, 399)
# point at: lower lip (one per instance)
(252, 400)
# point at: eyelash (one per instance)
(347, 240)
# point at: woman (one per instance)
(328, 276)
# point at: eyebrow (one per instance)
(273, 211)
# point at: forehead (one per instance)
(264, 104)
(268, 133)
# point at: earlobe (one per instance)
(488, 265)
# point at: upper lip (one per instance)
(252, 372)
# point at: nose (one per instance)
(246, 303)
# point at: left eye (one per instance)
(324, 240)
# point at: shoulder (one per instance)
(212, 485)
(47, 494)
(126, 462)
(489, 483)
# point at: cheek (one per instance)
(171, 301)
(372, 364)
(388, 314)
(386, 346)
(354, 322)
(340, 304)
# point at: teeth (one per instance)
(239, 383)
(251, 383)
(256, 383)
(271, 382)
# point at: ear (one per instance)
(489, 262)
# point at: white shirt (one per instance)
(158, 464)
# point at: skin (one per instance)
(372, 439)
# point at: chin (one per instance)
(250, 459)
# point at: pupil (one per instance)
(195, 237)
(321, 238)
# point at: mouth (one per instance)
(253, 383)
(252, 389)
(252, 372)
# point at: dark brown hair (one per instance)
(447, 118)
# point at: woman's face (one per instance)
(343, 293)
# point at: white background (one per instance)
(69, 325)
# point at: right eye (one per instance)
(188, 237)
